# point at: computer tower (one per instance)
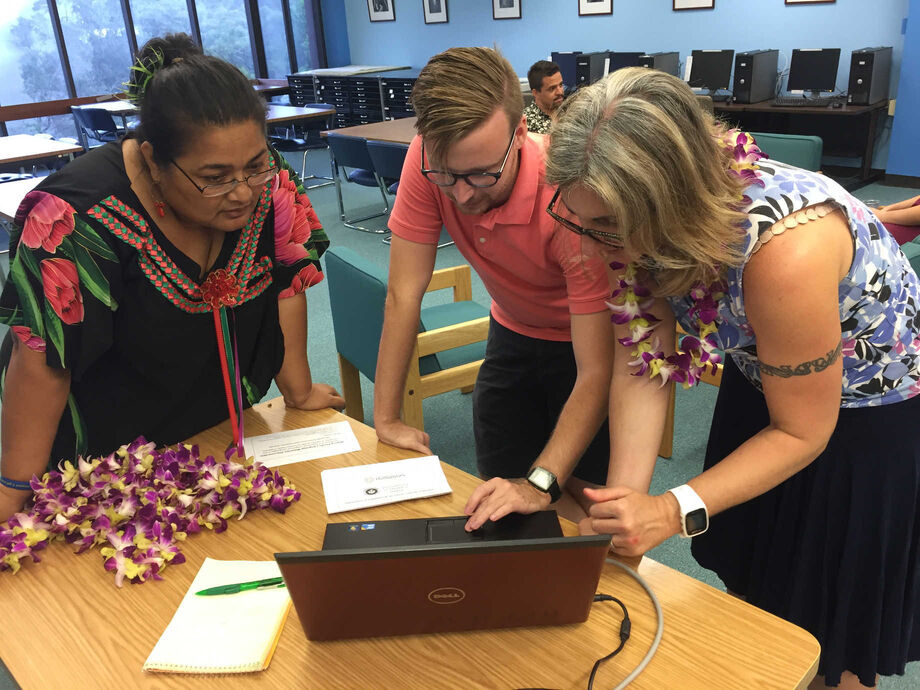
(566, 62)
(666, 62)
(870, 69)
(755, 76)
(589, 67)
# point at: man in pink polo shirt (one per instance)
(540, 400)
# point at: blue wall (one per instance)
(335, 31)
(648, 25)
(905, 134)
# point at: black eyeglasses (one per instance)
(444, 178)
(221, 188)
(611, 239)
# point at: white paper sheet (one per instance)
(297, 445)
(236, 633)
(364, 486)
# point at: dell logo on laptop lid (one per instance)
(446, 595)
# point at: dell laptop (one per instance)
(402, 577)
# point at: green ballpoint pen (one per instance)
(242, 587)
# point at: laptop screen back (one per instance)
(430, 588)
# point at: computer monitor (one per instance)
(620, 60)
(712, 69)
(813, 69)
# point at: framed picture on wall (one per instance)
(435, 11)
(806, 2)
(381, 10)
(594, 7)
(506, 9)
(694, 4)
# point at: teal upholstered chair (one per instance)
(912, 252)
(799, 150)
(449, 348)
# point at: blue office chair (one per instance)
(96, 125)
(799, 150)
(351, 152)
(449, 348)
(303, 138)
(388, 159)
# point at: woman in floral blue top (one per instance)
(811, 484)
(156, 283)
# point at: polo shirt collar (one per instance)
(519, 208)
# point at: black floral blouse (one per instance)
(97, 287)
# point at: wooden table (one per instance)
(269, 90)
(11, 194)
(117, 107)
(846, 131)
(27, 147)
(65, 624)
(401, 131)
(278, 114)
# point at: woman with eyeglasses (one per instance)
(808, 504)
(156, 283)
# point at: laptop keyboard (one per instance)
(798, 101)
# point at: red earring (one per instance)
(161, 208)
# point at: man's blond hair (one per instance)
(458, 90)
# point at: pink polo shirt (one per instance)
(534, 271)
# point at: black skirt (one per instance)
(834, 549)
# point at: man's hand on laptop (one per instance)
(402, 435)
(498, 497)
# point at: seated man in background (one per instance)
(546, 86)
(541, 393)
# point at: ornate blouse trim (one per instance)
(792, 221)
(166, 276)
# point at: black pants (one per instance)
(521, 389)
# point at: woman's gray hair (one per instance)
(641, 142)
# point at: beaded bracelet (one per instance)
(14, 484)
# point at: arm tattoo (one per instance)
(786, 371)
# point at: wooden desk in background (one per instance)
(11, 194)
(400, 131)
(19, 148)
(65, 624)
(848, 131)
(279, 114)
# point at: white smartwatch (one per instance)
(694, 518)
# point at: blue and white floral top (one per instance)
(879, 297)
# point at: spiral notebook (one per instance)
(231, 633)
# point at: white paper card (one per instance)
(364, 486)
(297, 445)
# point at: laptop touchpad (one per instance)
(450, 531)
(544, 524)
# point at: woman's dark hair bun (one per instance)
(180, 91)
(157, 54)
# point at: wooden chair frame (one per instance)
(667, 439)
(419, 387)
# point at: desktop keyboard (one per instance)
(800, 102)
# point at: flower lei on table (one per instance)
(137, 504)
(630, 300)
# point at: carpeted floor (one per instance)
(448, 417)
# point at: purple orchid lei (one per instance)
(630, 301)
(137, 504)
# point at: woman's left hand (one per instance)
(636, 521)
(321, 396)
